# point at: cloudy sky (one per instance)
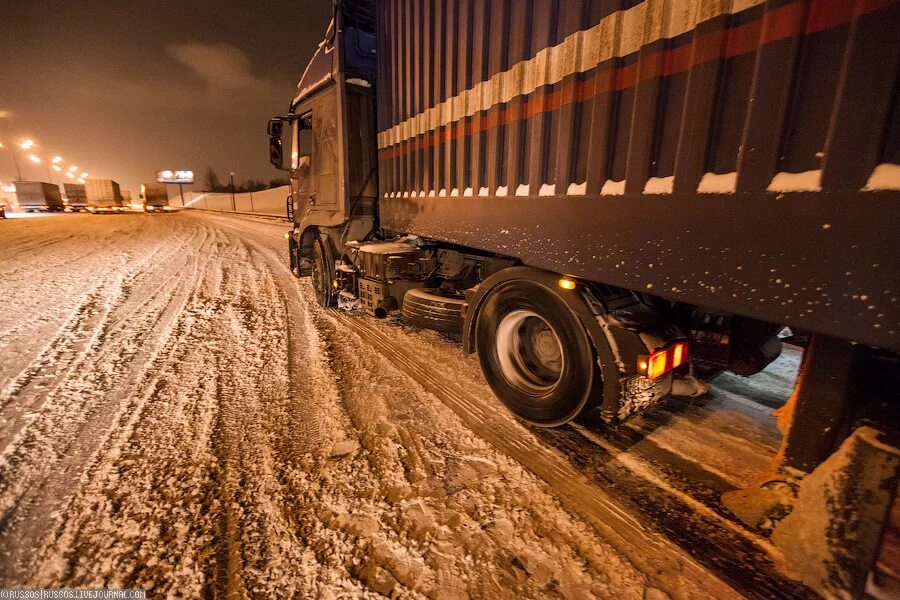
(124, 88)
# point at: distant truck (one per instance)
(76, 196)
(103, 195)
(36, 196)
(156, 197)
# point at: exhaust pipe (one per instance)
(384, 307)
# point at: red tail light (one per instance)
(664, 360)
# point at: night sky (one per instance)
(125, 88)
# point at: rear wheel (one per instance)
(321, 274)
(535, 354)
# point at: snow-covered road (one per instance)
(176, 414)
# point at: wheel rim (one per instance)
(529, 352)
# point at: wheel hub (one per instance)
(529, 352)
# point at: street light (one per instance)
(15, 161)
(57, 159)
(56, 168)
(26, 144)
(73, 168)
(84, 175)
(34, 158)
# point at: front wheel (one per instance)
(536, 354)
(321, 274)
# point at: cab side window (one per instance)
(301, 151)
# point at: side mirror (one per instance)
(276, 146)
(276, 153)
(276, 127)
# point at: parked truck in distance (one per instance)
(39, 196)
(155, 197)
(103, 196)
(605, 199)
(76, 197)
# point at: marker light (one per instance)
(566, 284)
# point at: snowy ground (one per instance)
(176, 414)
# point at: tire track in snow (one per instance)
(65, 446)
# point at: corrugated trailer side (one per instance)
(737, 154)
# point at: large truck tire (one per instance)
(423, 307)
(535, 353)
(322, 273)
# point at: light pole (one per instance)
(15, 161)
(233, 207)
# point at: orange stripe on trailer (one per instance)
(781, 23)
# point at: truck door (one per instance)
(301, 157)
(325, 168)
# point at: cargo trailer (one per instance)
(76, 197)
(38, 196)
(155, 196)
(604, 199)
(104, 196)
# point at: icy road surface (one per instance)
(176, 414)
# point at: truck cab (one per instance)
(330, 134)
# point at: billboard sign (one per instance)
(170, 176)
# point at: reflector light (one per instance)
(679, 354)
(566, 284)
(657, 364)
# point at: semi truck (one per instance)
(76, 197)
(606, 201)
(38, 196)
(103, 196)
(155, 196)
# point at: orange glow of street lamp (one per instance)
(80, 180)
(70, 176)
(84, 175)
(56, 168)
(73, 168)
(34, 158)
(57, 159)
(26, 144)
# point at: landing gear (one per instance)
(535, 353)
